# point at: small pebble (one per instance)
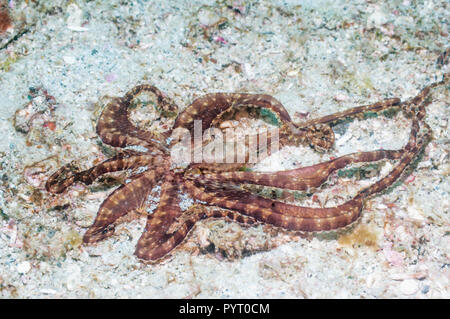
(48, 291)
(377, 18)
(340, 97)
(207, 16)
(409, 287)
(69, 59)
(111, 77)
(24, 267)
(74, 277)
(425, 289)
(75, 18)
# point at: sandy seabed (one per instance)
(61, 60)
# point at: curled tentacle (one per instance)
(411, 150)
(210, 107)
(65, 176)
(115, 128)
(168, 226)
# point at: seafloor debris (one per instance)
(40, 107)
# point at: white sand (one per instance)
(314, 56)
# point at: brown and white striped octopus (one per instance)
(218, 189)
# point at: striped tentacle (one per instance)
(352, 112)
(320, 137)
(244, 152)
(115, 128)
(126, 198)
(155, 241)
(168, 226)
(416, 106)
(211, 107)
(411, 150)
(295, 217)
(277, 213)
(214, 212)
(65, 176)
(300, 178)
(165, 107)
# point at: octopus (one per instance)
(221, 189)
